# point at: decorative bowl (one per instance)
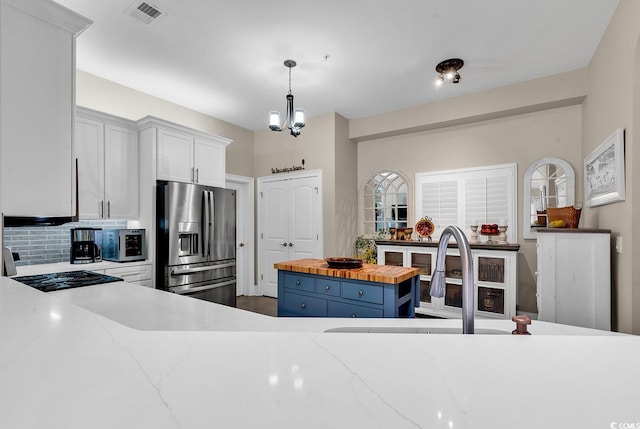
(338, 262)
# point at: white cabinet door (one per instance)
(175, 156)
(107, 170)
(209, 162)
(88, 150)
(574, 278)
(121, 173)
(290, 225)
(36, 108)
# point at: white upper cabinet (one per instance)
(106, 148)
(186, 155)
(175, 156)
(209, 162)
(37, 83)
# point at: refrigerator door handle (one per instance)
(180, 272)
(212, 220)
(205, 223)
(181, 290)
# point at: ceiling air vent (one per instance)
(144, 12)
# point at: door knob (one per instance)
(290, 244)
(241, 244)
(284, 244)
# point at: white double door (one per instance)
(290, 223)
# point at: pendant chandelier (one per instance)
(294, 119)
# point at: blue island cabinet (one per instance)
(314, 295)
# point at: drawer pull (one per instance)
(360, 292)
(327, 287)
(297, 282)
(303, 305)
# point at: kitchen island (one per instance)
(121, 355)
(310, 287)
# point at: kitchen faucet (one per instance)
(438, 281)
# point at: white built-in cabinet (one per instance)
(190, 157)
(37, 102)
(495, 277)
(106, 148)
(574, 277)
(289, 222)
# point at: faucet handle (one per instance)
(438, 283)
(521, 324)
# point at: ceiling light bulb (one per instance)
(449, 75)
(298, 118)
(274, 121)
(440, 80)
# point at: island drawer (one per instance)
(362, 292)
(340, 309)
(328, 287)
(298, 282)
(305, 305)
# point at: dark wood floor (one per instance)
(258, 304)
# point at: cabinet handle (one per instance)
(297, 282)
(327, 287)
(303, 305)
(360, 293)
(101, 209)
(193, 175)
(290, 244)
(197, 175)
(284, 244)
(109, 209)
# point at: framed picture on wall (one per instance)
(604, 171)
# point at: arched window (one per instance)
(385, 202)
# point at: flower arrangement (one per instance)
(366, 248)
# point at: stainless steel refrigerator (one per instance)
(196, 241)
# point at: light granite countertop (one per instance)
(124, 356)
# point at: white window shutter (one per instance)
(439, 201)
(468, 196)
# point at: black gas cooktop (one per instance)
(70, 279)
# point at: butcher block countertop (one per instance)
(367, 273)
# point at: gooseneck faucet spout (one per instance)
(438, 281)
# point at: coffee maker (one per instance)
(86, 245)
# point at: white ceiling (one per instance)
(225, 57)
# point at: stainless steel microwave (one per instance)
(124, 245)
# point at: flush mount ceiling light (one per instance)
(295, 117)
(448, 70)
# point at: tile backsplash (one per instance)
(48, 244)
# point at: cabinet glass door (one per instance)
(394, 258)
(453, 267)
(491, 269)
(425, 286)
(491, 300)
(453, 295)
(421, 261)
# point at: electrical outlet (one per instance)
(619, 244)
